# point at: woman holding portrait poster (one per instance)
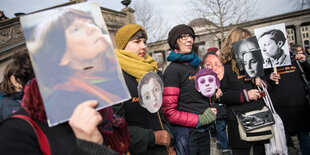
(240, 94)
(74, 61)
(148, 135)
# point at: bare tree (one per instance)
(154, 24)
(222, 13)
(300, 4)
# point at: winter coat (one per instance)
(182, 103)
(141, 123)
(290, 98)
(18, 137)
(9, 104)
(235, 98)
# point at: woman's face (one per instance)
(299, 50)
(214, 63)
(17, 86)
(269, 46)
(137, 46)
(185, 43)
(207, 85)
(250, 64)
(84, 39)
(151, 95)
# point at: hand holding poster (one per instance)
(273, 44)
(73, 59)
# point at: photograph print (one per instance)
(250, 57)
(150, 91)
(274, 45)
(207, 82)
(73, 59)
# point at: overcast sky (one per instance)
(169, 9)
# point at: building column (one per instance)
(298, 34)
(130, 19)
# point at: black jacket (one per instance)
(234, 98)
(290, 98)
(9, 104)
(141, 123)
(18, 137)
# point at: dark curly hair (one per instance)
(20, 67)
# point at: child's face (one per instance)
(151, 95)
(207, 85)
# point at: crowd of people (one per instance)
(187, 119)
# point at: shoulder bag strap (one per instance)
(44, 145)
(302, 73)
(267, 98)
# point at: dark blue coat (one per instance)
(9, 104)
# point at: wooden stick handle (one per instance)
(162, 127)
(275, 71)
(161, 123)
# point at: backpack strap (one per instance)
(43, 142)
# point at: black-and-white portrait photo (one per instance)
(273, 44)
(249, 57)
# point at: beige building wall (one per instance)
(294, 22)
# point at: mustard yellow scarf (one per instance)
(134, 65)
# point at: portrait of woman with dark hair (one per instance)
(251, 58)
(74, 61)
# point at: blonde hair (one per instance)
(227, 55)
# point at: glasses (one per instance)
(186, 36)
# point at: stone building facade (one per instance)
(12, 39)
(297, 25)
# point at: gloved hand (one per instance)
(162, 137)
(208, 116)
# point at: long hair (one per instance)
(49, 42)
(227, 53)
(20, 67)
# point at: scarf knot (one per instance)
(134, 65)
(190, 58)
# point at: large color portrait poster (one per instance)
(274, 45)
(73, 59)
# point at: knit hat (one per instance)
(212, 49)
(176, 32)
(124, 34)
